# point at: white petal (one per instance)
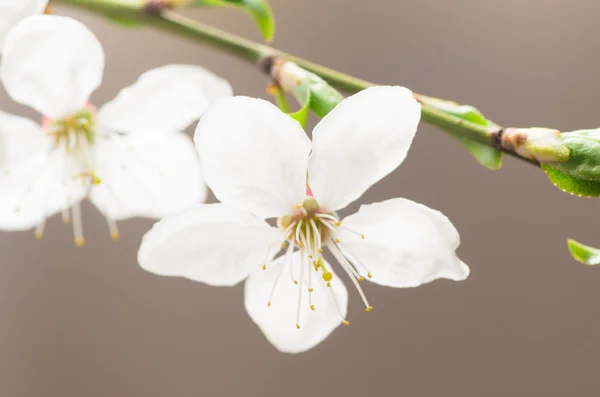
(14, 11)
(151, 176)
(164, 99)
(362, 140)
(406, 244)
(210, 243)
(39, 187)
(278, 321)
(52, 64)
(20, 139)
(253, 156)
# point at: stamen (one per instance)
(113, 229)
(352, 231)
(287, 231)
(72, 140)
(78, 225)
(285, 261)
(300, 292)
(332, 228)
(264, 261)
(301, 208)
(310, 289)
(327, 216)
(354, 261)
(39, 230)
(298, 241)
(66, 218)
(346, 266)
(305, 242)
(337, 306)
(316, 235)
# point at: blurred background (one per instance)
(89, 322)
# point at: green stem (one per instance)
(254, 52)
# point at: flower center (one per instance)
(309, 229)
(75, 135)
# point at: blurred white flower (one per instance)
(255, 159)
(14, 11)
(129, 158)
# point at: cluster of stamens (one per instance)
(74, 134)
(309, 229)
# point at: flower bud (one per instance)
(541, 144)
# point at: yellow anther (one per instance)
(297, 326)
(312, 307)
(362, 236)
(320, 250)
(300, 244)
(369, 308)
(327, 276)
(283, 245)
(369, 275)
(298, 206)
(310, 290)
(329, 284)
(338, 223)
(310, 256)
(346, 322)
(361, 278)
(264, 267)
(337, 240)
(115, 236)
(296, 282)
(79, 242)
(269, 304)
(39, 235)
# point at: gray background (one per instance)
(89, 322)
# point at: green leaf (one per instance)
(583, 253)
(302, 96)
(584, 158)
(485, 155)
(123, 21)
(302, 115)
(570, 184)
(259, 10)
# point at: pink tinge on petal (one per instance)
(309, 192)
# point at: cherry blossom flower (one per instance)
(258, 162)
(129, 158)
(14, 11)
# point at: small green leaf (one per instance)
(303, 97)
(302, 115)
(572, 185)
(487, 156)
(123, 21)
(259, 10)
(583, 253)
(584, 158)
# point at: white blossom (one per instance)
(258, 162)
(129, 158)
